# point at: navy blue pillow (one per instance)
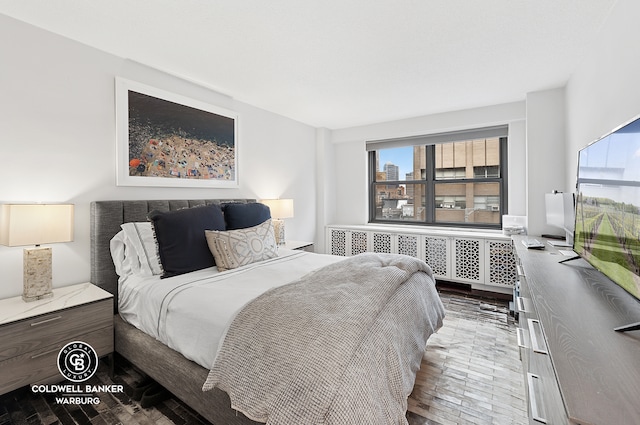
(241, 216)
(182, 245)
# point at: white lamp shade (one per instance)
(35, 224)
(280, 208)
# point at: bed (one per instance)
(245, 348)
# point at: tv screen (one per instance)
(607, 228)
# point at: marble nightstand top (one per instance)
(14, 309)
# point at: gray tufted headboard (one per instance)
(106, 218)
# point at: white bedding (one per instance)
(189, 313)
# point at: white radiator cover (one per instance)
(484, 260)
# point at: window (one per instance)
(454, 179)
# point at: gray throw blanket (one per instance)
(339, 346)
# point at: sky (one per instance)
(402, 157)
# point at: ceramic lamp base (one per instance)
(36, 274)
(278, 227)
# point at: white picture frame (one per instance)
(169, 140)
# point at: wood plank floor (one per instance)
(470, 374)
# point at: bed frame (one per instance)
(182, 377)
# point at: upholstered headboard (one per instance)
(106, 218)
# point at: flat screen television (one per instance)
(607, 226)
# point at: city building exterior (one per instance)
(454, 198)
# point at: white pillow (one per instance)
(140, 235)
(121, 254)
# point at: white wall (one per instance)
(350, 157)
(517, 171)
(604, 92)
(57, 143)
(325, 184)
(546, 155)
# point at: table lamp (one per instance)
(280, 208)
(36, 224)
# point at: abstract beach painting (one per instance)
(165, 139)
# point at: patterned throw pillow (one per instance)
(235, 248)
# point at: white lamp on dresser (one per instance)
(36, 224)
(280, 208)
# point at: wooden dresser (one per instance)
(577, 369)
(32, 334)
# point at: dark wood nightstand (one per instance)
(32, 334)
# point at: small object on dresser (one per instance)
(533, 244)
(514, 225)
(513, 230)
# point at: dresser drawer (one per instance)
(41, 365)
(545, 401)
(32, 334)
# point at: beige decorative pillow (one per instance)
(235, 248)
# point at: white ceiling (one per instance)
(341, 63)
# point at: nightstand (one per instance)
(299, 245)
(32, 334)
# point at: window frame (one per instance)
(430, 183)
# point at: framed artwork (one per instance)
(168, 140)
